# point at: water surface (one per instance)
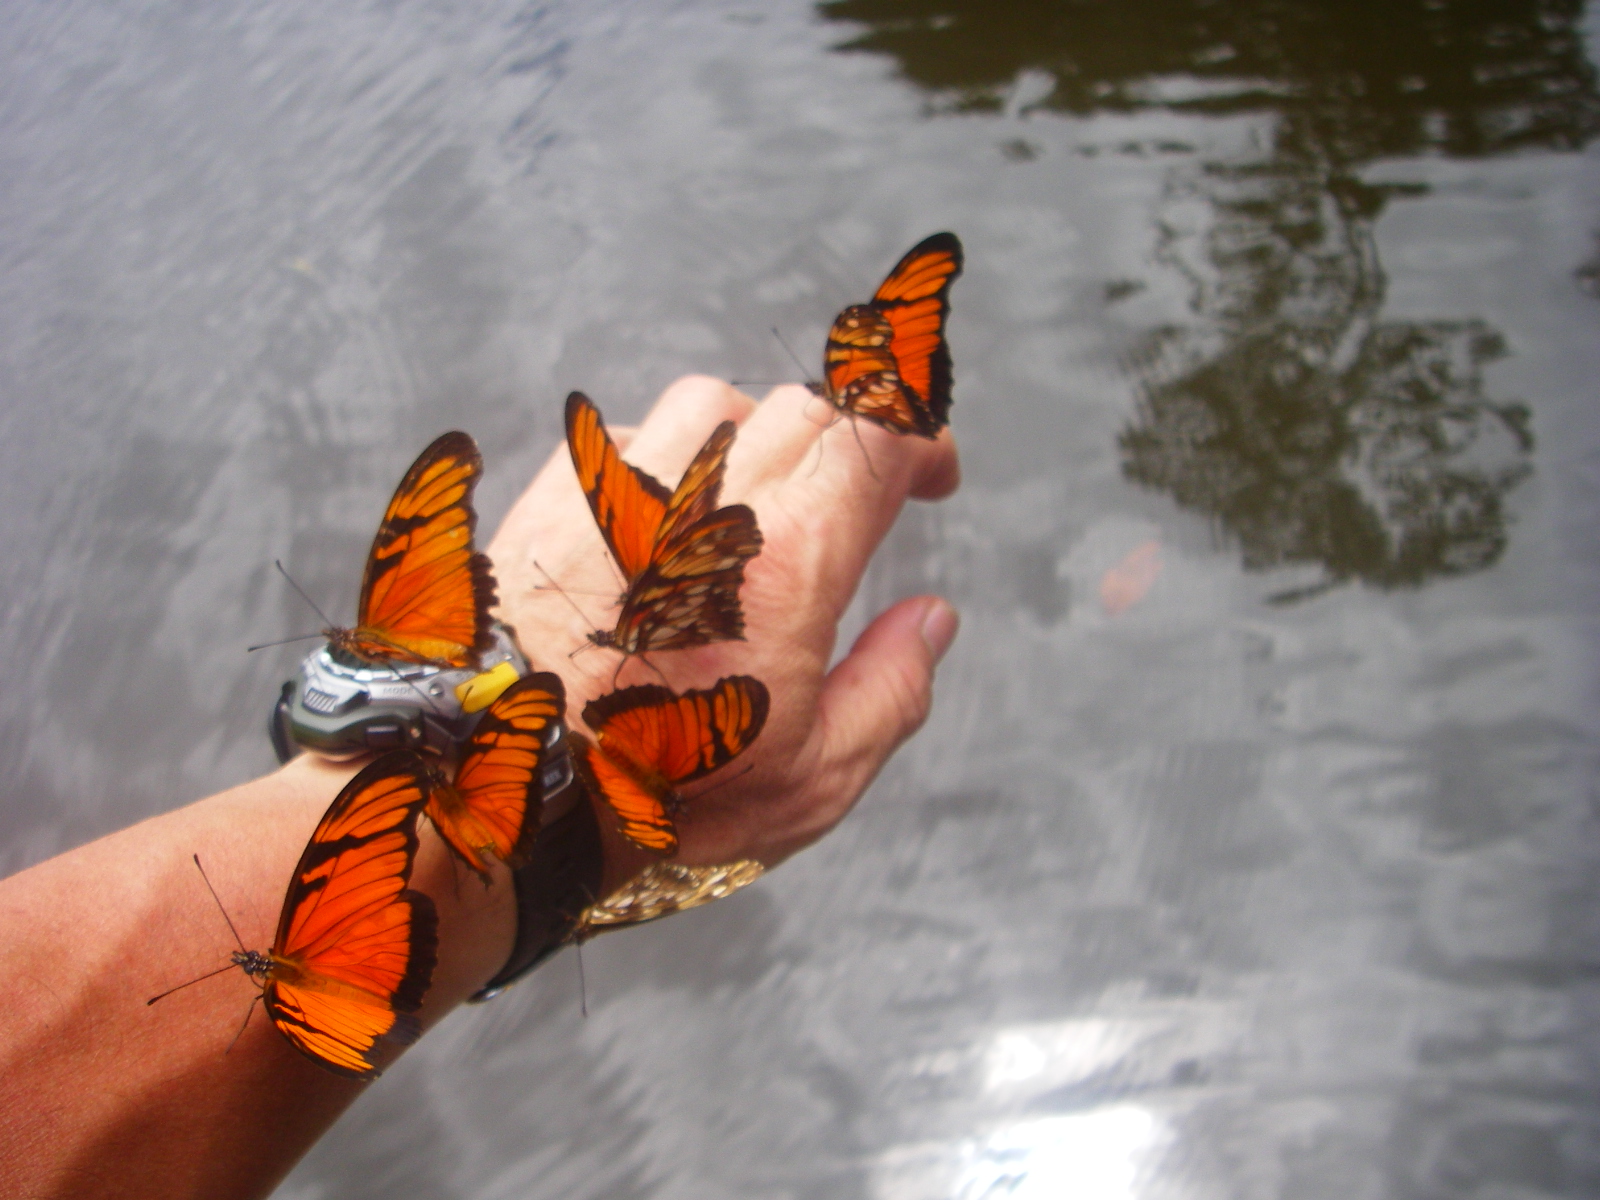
(1251, 848)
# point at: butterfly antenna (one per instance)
(804, 372)
(426, 699)
(281, 642)
(181, 986)
(583, 985)
(248, 1013)
(723, 782)
(557, 587)
(315, 607)
(218, 899)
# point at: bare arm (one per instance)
(104, 1096)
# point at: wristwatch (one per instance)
(340, 707)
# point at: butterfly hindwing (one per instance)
(426, 592)
(650, 741)
(492, 807)
(355, 948)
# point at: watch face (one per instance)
(340, 708)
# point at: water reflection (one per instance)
(1310, 429)
(1312, 432)
(1098, 1154)
(1370, 77)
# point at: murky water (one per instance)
(1252, 849)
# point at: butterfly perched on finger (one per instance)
(488, 807)
(426, 592)
(682, 558)
(355, 948)
(650, 741)
(887, 361)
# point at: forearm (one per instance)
(105, 1095)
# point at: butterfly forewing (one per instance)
(497, 782)
(356, 948)
(915, 299)
(695, 497)
(628, 504)
(426, 593)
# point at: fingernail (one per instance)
(939, 625)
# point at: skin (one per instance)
(107, 1096)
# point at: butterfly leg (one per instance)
(855, 428)
(248, 1013)
(818, 463)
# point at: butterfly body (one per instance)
(682, 558)
(886, 361)
(426, 593)
(649, 742)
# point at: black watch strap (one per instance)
(560, 879)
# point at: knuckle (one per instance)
(704, 399)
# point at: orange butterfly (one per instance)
(426, 594)
(648, 742)
(886, 360)
(492, 806)
(355, 948)
(682, 557)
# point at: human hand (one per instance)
(828, 732)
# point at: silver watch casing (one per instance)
(340, 708)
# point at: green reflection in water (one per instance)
(1377, 76)
(1311, 430)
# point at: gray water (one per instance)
(1251, 850)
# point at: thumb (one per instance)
(880, 693)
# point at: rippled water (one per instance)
(1252, 848)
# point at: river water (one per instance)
(1251, 850)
